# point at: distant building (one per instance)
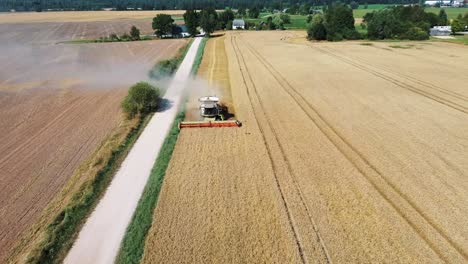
(238, 24)
(184, 31)
(441, 31)
(454, 3)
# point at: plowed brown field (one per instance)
(348, 153)
(58, 102)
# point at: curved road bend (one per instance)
(99, 239)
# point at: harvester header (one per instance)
(213, 113)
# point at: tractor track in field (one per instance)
(63, 115)
(286, 160)
(399, 83)
(369, 171)
(455, 95)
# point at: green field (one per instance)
(297, 21)
(451, 12)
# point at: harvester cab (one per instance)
(213, 114)
(210, 109)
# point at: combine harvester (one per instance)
(213, 113)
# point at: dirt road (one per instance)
(348, 153)
(58, 102)
(100, 237)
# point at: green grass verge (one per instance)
(133, 245)
(166, 68)
(103, 40)
(61, 232)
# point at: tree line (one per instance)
(208, 19)
(399, 22)
(39, 5)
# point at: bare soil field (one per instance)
(349, 152)
(58, 102)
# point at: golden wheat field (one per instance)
(349, 152)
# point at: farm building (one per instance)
(456, 3)
(238, 24)
(441, 31)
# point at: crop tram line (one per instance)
(275, 134)
(368, 170)
(423, 83)
(399, 83)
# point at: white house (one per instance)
(238, 24)
(441, 31)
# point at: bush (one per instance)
(279, 23)
(415, 33)
(125, 37)
(351, 34)
(354, 5)
(285, 18)
(229, 25)
(316, 29)
(135, 33)
(339, 21)
(409, 22)
(384, 25)
(142, 99)
(164, 68)
(114, 37)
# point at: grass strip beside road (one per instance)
(60, 234)
(166, 68)
(133, 245)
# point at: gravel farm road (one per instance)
(100, 237)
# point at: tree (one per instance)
(142, 98)
(208, 20)
(135, 33)
(384, 24)
(279, 24)
(354, 5)
(458, 25)
(191, 18)
(316, 29)
(241, 12)
(402, 22)
(37, 6)
(270, 24)
(305, 9)
(254, 12)
(225, 17)
(285, 18)
(163, 24)
(339, 22)
(176, 31)
(443, 19)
